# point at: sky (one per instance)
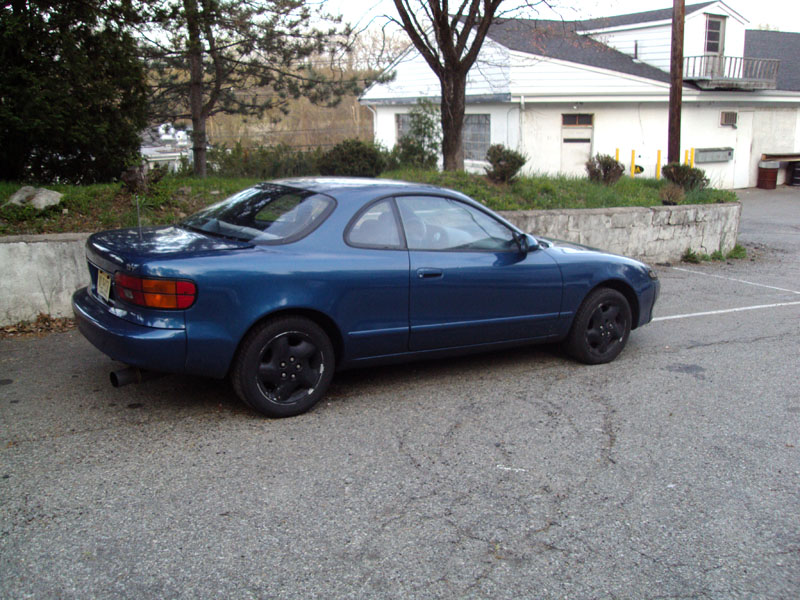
(782, 15)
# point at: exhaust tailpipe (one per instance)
(131, 375)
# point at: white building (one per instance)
(563, 91)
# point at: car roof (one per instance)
(337, 186)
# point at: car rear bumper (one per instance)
(137, 345)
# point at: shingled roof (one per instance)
(663, 14)
(559, 40)
(781, 45)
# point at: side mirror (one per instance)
(523, 241)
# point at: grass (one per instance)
(737, 253)
(540, 192)
(107, 206)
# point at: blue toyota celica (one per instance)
(284, 283)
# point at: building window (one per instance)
(402, 125)
(715, 29)
(476, 133)
(477, 136)
(577, 120)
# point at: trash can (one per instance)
(767, 174)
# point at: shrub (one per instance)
(353, 158)
(604, 168)
(263, 162)
(671, 194)
(419, 148)
(505, 163)
(685, 176)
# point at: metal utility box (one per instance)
(711, 155)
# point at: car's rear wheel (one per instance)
(601, 327)
(283, 367)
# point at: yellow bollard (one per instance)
(616, 156)
(691, 164)
(658, 165)
(686, 157)
(633, 163)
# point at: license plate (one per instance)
(103, 284)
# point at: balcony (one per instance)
(731, 72)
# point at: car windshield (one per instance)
(265, 213)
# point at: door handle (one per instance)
(427, 273)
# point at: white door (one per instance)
(576, 149)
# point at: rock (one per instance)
(39, 198)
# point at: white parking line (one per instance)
(727, 310)
(771, 287)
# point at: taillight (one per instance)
(155, 293)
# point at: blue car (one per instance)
(282, 284)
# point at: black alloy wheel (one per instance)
(284, 366)
(601, 327)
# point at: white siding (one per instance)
(415, 79)
(654, 43)
(536, 76)
(694, 34)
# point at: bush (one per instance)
(353, 158)
(671, 194)
(410, 152)
(604, 168)
(263, 162)
(419, 148)
(685, 176)
(505, 162)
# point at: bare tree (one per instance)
(449, 40)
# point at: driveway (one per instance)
(672, 472)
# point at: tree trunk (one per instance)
(195, 55)
(453, 104)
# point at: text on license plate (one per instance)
(103, 284)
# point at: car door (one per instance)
(374, 308)
(470, 281)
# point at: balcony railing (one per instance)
(731, 72)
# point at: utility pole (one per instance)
(676, 82)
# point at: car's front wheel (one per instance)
(601, 327)
(283, 367)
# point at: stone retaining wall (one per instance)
(40, 272)
(655, 234)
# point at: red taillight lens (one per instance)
(155, 293)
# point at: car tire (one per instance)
(283, 367)
(601, 327)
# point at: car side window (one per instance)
(438, 223)
(376, 227)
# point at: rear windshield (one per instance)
(266, 213)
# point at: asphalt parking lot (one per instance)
(673, 472)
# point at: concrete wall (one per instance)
(40, 272)
(656, 234)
